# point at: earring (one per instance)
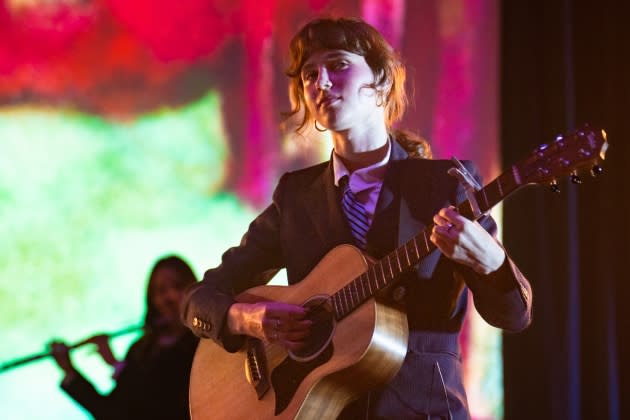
(380, 100)
(321, 130)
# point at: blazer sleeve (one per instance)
(253, 262)
(502, 298)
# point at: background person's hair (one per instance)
(185, 277)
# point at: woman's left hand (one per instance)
(466, 242)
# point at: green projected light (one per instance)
(86, 207)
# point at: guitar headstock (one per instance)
(567, 155)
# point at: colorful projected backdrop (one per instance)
(131, 130)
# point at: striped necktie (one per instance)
(355, 213)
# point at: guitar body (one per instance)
(365, 350)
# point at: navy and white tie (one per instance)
(355, 213)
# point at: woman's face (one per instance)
(336, 91)
(167, 294)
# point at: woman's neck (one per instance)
(359, 150)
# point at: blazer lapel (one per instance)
(382, 236)
(390, 187)
(323, 205)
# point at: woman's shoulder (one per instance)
(309, 171)
(303, 176)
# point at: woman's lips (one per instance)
(328, 101)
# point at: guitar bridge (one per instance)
(256, 367)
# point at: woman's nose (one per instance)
(323, 81)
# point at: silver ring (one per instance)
(450, 226)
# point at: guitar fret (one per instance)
(382, 271)
(344, 301)
(407, 255)
(415, 246)
(349, 297)
(470, 211)
(368, 283)
(374, 281)
(334, 307)
(356, 294)
(389, 263)
(398, 261)
(377, 277)
(348, 293)
(336, 304)
(485, 199)
(516, 175)
(426, 241)
(497, 190)
(363, 294)
(339, 304)
(378, 286)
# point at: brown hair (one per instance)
(185, 277)
(358, 37)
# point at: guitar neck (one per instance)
(387, 270)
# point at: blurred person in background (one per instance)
(152, 380)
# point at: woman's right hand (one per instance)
(278, 322)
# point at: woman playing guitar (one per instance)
(336, 341)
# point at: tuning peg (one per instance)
(554, 187)
(576, 179)
(596, 170)
(559, 141)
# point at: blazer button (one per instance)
(524, 291)
(399, 293)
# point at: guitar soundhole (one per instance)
(320, 312)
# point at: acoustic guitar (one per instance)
(358, 340)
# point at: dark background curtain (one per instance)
(565, 63)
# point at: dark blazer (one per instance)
(305, 221)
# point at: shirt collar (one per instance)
(373, 174)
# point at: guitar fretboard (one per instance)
(387, 270)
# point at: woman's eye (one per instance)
(339, 65)
(309, 76)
